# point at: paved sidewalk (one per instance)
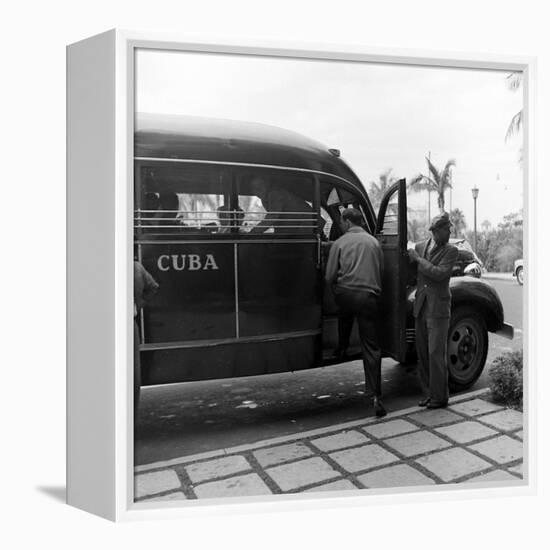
(474, 440)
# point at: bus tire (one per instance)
(467, 347)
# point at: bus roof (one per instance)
(211, 139)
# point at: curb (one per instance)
(292, 437)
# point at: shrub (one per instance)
(506, 375)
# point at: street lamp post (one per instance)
(475, 193)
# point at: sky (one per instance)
(378, 116)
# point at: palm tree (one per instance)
(437, 181)
(459, 221)
(514, 83)
(416, 230)
(377, 190)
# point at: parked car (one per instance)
(235, 301)
(468, 262)
(518, 271)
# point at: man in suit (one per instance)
(432, 310)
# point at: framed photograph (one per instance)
(295, 274)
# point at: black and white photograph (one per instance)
(328, 288)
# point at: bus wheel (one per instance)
(467, 347)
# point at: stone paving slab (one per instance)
(506, 420)
(475, 407)
(155, 482)
(390, 428)
(453, 463)
(474, 440)
(340, 485)
(211, 469)
(301, 473)
(466, 432)
(281, 453)
(400, 475)
(363, 458)
(435, 417)
(339, 441)
(501, 449)
(495, 475)
(417, 443)
(238, 486)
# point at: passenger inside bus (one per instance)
(227, 221)
(286, 212)
(167, 216)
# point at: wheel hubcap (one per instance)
(463, 349)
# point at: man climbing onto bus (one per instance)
(354, 269)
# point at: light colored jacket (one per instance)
(355, 262)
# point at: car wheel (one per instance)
(519, 275)
(467, 347)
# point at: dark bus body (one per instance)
(234, 221)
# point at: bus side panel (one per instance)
(279, 288)
(196, 299)
(229, 360)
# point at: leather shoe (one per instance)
(424, 402)
(437, 405)
(379, 410)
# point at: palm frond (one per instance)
(386, 177)
(416, 179)
(375, 188)
(422, 183)
(445, 181)
(515, 125)
(433, 170)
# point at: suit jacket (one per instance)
(434, 272)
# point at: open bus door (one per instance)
(391, 232)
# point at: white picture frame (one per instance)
(100, 132)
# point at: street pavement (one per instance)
(473, 441)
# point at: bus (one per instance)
(235, 220)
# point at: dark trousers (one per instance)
(362, 306)
(431, 347)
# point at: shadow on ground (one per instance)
(58, 492)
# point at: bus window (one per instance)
(175, 200)
(327, 225)
(277, 202)
(390, 225)
(335, 198)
